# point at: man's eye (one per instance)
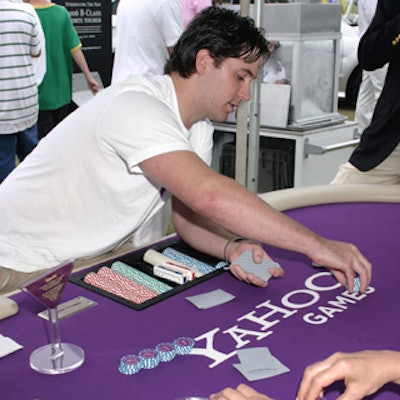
(241, 78)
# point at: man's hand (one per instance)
(235, 249)
(363, 373)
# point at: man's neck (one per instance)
(39, 3)
(186, 95)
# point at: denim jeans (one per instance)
(13, 145)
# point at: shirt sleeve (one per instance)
(138, 126)
(379, 44)
(72, 39)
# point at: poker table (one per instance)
(301, 318)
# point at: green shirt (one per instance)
(62, 40)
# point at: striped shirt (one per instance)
(19, 41)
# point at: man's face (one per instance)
(227, 85)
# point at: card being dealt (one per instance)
(245, 261)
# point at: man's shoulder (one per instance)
(25, 12)
(158, 86)
(155, 95)
(52, 8)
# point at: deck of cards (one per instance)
(258, 363)
(245, 261)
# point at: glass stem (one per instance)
(53, 332)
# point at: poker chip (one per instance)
(149, 358)
(189, 261)
(183, 345)
(130, 364)
(140, 277)
(356, 284)
(166, 351)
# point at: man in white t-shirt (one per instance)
(97, 180)
(146, 32)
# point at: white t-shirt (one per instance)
(144, 31)
(20, 40)
(366, 11)
(39, 63)
(81, 192)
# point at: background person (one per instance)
(39, 67)
(190, 8)
(146, 32)
(372, 81)
(63, 46)
(376, 159)
(20, 43)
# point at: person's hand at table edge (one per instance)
(242, 392)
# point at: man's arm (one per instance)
(80, 60)
(380, 43)
(239, 211)
(202, 234)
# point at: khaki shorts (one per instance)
(11, 280)
(386, 173)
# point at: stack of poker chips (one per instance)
(140, 277)
(150, 358)
(192, 262)
(155, 258)
(119, 285)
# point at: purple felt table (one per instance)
(301, 318)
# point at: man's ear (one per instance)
(203, 61)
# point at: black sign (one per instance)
(92, 21)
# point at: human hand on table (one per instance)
(345, 261)
(235, 249)
(363, 373)
(242, 392)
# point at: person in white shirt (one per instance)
(146, 32)
(105, 170)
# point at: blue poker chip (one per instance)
(149, 358)
(183, 345)
(130, 364)
(356, 284)
(166, 351)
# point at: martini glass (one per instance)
(56, 357)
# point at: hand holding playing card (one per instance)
(245, 268)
